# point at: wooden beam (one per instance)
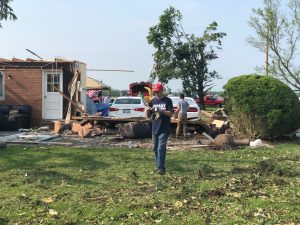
(129, 71)
(70, 100)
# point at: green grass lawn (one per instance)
(59, 185)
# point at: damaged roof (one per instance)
(34, 60)
(29, 62)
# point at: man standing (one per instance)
(161, 113)
(182, 109)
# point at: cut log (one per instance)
(58, 127)
(224, 142)
(135, 130)
(76, 127)
(85, 131)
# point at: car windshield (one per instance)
(127, 101)
(176, 101)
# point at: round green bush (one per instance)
(261, 106)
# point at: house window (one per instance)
(1, 86)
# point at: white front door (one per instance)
(52, 100)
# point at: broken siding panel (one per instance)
(82, 84)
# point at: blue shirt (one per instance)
(161, 123)
(183, 106)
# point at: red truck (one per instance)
(210, 100)
(141, 87)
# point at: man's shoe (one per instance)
(161, 172)
(154, 171)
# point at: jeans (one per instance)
(159, 148)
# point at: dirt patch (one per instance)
(116, 140)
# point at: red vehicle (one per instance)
(210, 100)
(141, 87)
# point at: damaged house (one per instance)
(40, 88)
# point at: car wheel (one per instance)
(220, 105)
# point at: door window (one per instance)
(52, 81)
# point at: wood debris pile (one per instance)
(212, 130)
(84, 129)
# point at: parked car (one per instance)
(194, 109)
(127, 107)
(210, 100)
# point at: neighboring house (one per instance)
(94, 86)
(31, 82)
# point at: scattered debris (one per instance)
(219, 114)
(7, 138)
(218, 123)
(53, 213)
(47, 200)
(208, 137)
(256, 143)
(45, 128)
(96, 131)
(30, 137)
(35, 137)
(178, 204)
(203, 141)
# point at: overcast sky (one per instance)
(112, 34)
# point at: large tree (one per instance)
(184, 56)
(6, 12)
(277, 31)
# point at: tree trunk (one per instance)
(201, 97)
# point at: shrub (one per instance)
(261, 106)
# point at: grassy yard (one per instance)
(41, 185)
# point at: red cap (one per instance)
(158, 87)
